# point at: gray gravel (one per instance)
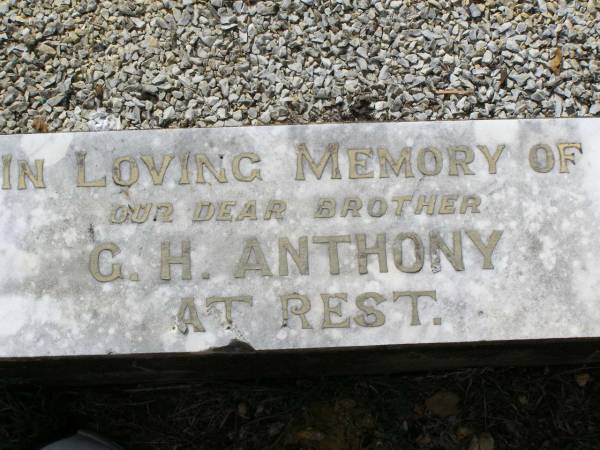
(80, 65)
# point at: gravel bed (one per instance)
(81, 65)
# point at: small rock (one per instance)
(512, 45)
(266, 8)
(295, 67)
(383, 74)
(101, 121)
(224, 85)
(56, 100)
(159, 79)
(138, 23)
(265, 117)
(46, 49)
(474, 10)
(149, 89)
(539, 96)
(168, 115)
(448, 59)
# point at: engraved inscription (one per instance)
(297, 237)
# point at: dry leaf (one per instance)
(582, 379)
(503, 76)
(443, 404)
(332, 426)
(40, 125)
(463, 432)
(419, 410)
(556, 62)
(310, 435)
(453, 92)
(99, 90)
(423, 439)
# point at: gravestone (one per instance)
(438, 236)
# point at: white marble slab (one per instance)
(545, 280)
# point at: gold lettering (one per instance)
(567, 157)
(248, 211)
(210, 211)
(548, 163)
(455, 162)
(225, 211)
(183, 162)
(398, 251)
(371, 317)
(363, 253)
(422, 161)
(356, 163)
(351, 204)
(140, 213)
(300, 310)
(228, 302)
(6, 160)
(414, 297)
(486, 250)
(300, 256)
(332, 249)
(386, 159)
(202, 161)
(237, 173)
(252, 248)
(25, 171)
(164, 212)
(81, 180)
(331, 154)
(492, 160)
(158, 176)
(400, 201)
(328, 309)
(187, 305)
(470, 201)
(326, 208)
(275, 209)
(166, 259)
(134, 172)
(381, 210)
(447, 206)
(436, 243)
(424, 202)
(115, 217)
(94, 265)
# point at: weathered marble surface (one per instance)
(545, 281)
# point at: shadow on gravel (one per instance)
(483, 409)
